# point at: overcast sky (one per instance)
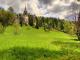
(49, 8)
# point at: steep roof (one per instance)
(25, 11)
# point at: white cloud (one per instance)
(54, 8)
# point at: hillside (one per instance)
(33, 44)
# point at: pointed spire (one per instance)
(25, 10)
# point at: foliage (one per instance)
(78, 0)
(16, 26)
(1, 28)
(78, 26)
(48, 23)
(10, 9)
(6, 17)
(68, 27)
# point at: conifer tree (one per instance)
(78, 26)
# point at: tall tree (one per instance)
(10, 9)
(78, 26)
(76, 12)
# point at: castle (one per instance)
(23, 18)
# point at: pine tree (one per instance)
(78, 26)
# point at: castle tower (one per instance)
(25, 11)
(25, 16)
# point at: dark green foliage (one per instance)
(16, 26)
(37, 23)
(6, 17)
(2, 28)
(23, 53)
(31, 20)
(10, 9)
(78, 27)
(61, 25)
(20, 17)
(54, 23)
(48, 23)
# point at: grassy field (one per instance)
(33, 44)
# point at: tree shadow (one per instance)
(67, 44)
(22, 53)
(75, 39)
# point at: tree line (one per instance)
(47, 23)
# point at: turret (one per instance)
(25, 11)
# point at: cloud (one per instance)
(50, 8)
(46, 2)
(75, 6)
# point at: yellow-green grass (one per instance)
(36, 44)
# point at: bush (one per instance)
(16, 27)
(1, 28)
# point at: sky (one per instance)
(48, 8)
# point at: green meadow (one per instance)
(36, 44)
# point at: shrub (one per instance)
(1, 28)
(16, 27)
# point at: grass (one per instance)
(33, 44)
